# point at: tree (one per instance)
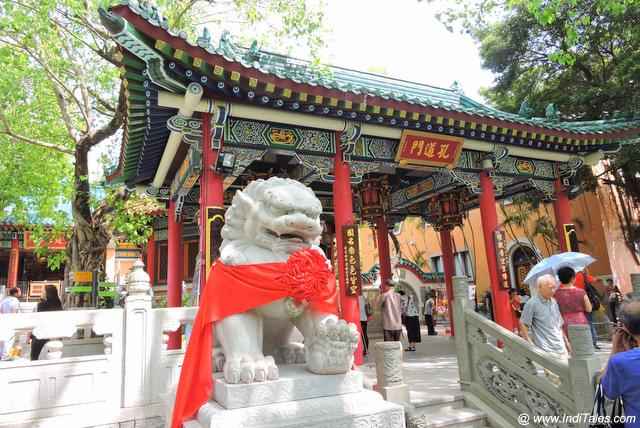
(60, 97)
(582, 56)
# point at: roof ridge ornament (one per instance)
(457, 88)
(204, 40)
(525, 111)
(552, 114)
(228, 46)
(253, 54)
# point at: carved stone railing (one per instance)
(125, 372)
(507, 376)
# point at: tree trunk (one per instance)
(90, 236)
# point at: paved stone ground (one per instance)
(432, 370)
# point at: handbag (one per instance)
(598, 417)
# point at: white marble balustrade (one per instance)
(125, 377)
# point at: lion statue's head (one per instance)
(278, 214)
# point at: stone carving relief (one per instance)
(514, 391)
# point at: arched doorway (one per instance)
(522, 259)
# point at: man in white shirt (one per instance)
(9, 305)
(428, 311)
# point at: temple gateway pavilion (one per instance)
(205, 118)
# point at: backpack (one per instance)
(593, 296)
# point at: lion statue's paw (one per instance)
(291, 353)
(246, 369)
(330, 350)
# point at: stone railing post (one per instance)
(460, 305)
(635, 285)
(388, 356)
(138, 328)
(583, 366)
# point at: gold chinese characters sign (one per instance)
(427, 149)
(351, 259)
(502, 258)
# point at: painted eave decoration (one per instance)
(156, 58)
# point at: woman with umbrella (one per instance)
(573, 301)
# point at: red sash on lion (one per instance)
(230, 290)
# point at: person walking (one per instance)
(516, 303)
(572, 301)
(621, 378)
(9, 305)
(51, 302)
(364, 319)
(615, 298)
(428, 311)
(541, 321)
(391, 315)
(412, 322)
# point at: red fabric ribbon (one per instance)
(230, 290)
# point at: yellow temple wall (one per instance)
(597, 225)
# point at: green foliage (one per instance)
(524, 213)
(60, 96)
(284, 26)
(132, 217)
(43, 235)
(583, 56)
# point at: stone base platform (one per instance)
(298, 399)
(356, 410)
(295, 383)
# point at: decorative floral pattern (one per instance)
(307, 276)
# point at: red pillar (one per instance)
(562, 210)
(343, 211)
(449, 271)
(151, 259)
(384, 259)
(501, 307)
(211, 196)
(14, 261)
(174, 269)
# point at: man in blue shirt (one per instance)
(622, 376)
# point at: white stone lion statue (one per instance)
(268, 221)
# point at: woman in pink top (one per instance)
(572, 301)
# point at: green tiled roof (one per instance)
(362, 83)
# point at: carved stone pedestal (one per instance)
(298, 399)
(389, 372)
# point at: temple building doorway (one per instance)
(522, 259)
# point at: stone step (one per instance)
(430, 403)
(463, 417)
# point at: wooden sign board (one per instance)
(36, 288)
(29, 244)
(81, 277)
(502, 258)
(351, 259)
(426, 149)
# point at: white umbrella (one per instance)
(550, 265)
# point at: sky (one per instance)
(401, 38)
(404, 38)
